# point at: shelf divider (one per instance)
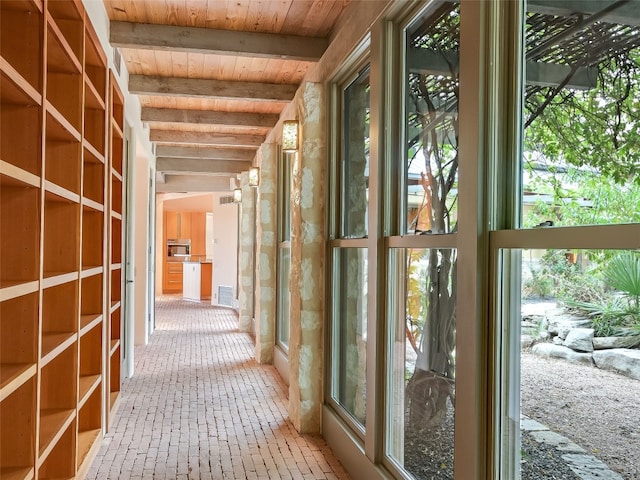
(53, 423)
(14, 376)
(10, 290)
(19, 174)
(87, 385)
(17, 473)
(19, 81)
(55, 343)
(59, 37)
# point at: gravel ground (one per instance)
(598, 410)
(542, 462)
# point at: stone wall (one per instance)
(246, 254)
(307, 261)
(266, 287)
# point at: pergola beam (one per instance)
(206, 88)
(206, 138)
(236, 119)
(221, 42)
(625, 14)
(241, 154)
(422, 60)
(191, 165)
(194, 183)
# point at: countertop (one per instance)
(187, 260)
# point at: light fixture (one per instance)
(290, 136)
(237, 195)
(254, 176)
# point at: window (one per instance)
(422, 320)
(431, 122)
(349, 265)
(355, 157)
(350, 336)
(577, 188)
(421, 372)
(284, 249)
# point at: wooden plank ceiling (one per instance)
(213, 76)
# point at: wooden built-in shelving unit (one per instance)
(60, 182)
(115, 280)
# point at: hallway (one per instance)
(200, 407)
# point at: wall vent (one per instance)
(117, 60)
(225, 295)
(226, 200)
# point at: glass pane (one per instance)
(284, 262)
(577, 325)
(431, 168)
(581, 154)
(421, 382)
(284, 184)
(350, 331)
(355, 157)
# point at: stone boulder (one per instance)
(602, 343)
(526, 341)
(559, 351)
(580, 339)
(620, 360)
(561, 322)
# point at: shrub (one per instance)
(620, 313)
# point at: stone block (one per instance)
(561, 323)
(603, 343)
(588, 467)
(558, 351)
(580, 339)
(621, 360)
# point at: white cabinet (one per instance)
(191, 281)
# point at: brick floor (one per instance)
(200, 407)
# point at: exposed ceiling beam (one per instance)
(194, 183)
(241, 154)
(205, 88)
(625, 14)
(422, 60)
(192, 165)
(220, 42)
(206, 138)
(236, 119)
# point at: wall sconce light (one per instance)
(254, 176)
(237, 195)
(290, 136)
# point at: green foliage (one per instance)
(609, 203)
(416, 303)
(539, 285)
(557, 277)
(623, 274)
(621, 311)
(608, 318)
(597, 128)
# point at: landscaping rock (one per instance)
(530, 425)
(602, 343)
(587, 467)
(543, 336)
(561, 323)
(526, 341)
(620, 360)
(557, 441)
(580, 339)
(559, 351)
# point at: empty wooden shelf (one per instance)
(61, 162)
